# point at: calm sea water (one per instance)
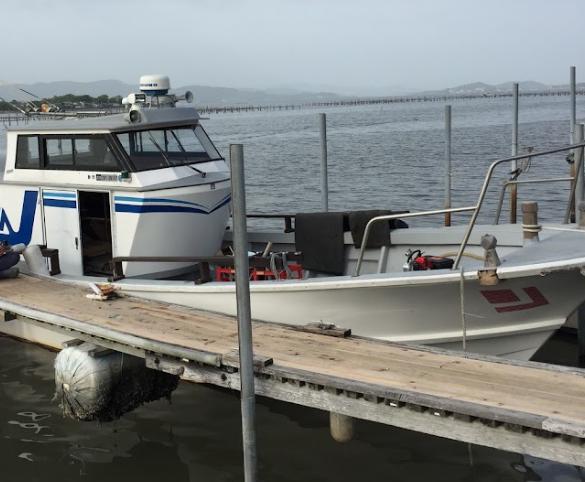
(393, 156)
(197, 438)
(388, 157)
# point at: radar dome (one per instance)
(155, 84)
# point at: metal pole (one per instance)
(447, 164)
(244, 313)
(572, 122)
(579, 174)
(573, 119)
(324, 180)
(514, 188)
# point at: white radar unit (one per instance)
(154, 93)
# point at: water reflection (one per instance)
(197, 437)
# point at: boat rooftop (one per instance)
(114, 122)
(525, 407)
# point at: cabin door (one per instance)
(96, 233)
(62, 228)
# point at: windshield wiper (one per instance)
(159, 148)
(186, 158)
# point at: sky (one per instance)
(358, 46)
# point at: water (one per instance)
(386, 158)
(197, 437)
(392, 157)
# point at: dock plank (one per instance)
(444, 379)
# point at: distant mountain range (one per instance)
(204, 95)
(221, 96)
(483, 88)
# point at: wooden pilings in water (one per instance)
(341, 427)
(530, 226)
(210, 109)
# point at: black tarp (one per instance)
(319, 236)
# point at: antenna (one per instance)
(32, 105)
(14, 106)
(29, 93)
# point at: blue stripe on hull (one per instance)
(51, 194)
(144, 208)
(141, 208)
(57, 203)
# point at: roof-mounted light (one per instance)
(132, 99)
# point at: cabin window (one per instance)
(93, 153)
(158, 148)
(28, 153)
(80, 153)
(59, 153)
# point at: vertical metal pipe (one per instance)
(514, 187)
(447, 164)
(244, 312)
(324, 180)
(572, 123)
(579, 173)
(573, 87)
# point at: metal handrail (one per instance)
(485, 186)
(525, 181)
(389, 217)
(476, 208)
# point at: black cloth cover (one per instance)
(380, 232)
(319, 236)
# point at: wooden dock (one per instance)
(529, 408)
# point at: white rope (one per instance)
(532, 228)
(573, 230)
(462, 300)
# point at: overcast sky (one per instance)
(343, 44)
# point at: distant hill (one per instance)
(483, 88)
(227, 96)
(204, 95)
(50, 89)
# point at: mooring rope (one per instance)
(462, 300)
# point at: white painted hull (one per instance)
(420, 308)
(426, 310)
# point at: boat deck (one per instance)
(518, 406)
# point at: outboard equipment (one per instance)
(417, 261)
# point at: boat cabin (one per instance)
(145, 182)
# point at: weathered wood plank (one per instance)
(471, 430)
(533, 396)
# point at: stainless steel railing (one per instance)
(475, 208)
(525, 181)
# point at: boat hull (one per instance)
(513, 318)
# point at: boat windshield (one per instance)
(158, 148)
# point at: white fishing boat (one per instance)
(141, 199)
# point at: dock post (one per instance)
(573, 89)
(572, 125)
(248, 401)
(581, 309)
(530, 226)
(324, 180)
(579, 173)
(341, 427)
(447, 164)
(514, 187)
